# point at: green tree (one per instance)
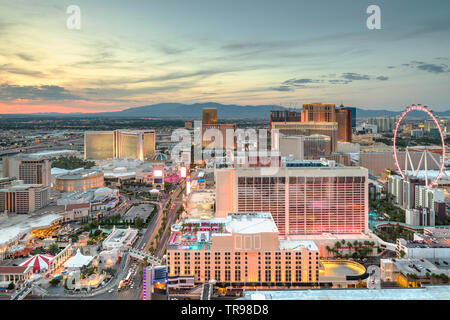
(11, 286)
(53, 248)
(55, 281)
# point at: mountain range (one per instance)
(194, 111)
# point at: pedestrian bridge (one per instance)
(26, 290)
(138, 254)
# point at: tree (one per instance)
(97, 232)
(139, 223)
(55, 281)
(53, 248)
(110, 271)
(11, 286)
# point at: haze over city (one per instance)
(244, 152)
(232, 52)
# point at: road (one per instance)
(143, 243)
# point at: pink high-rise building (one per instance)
(302, 200)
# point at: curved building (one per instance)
(79, 181)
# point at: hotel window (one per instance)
(298, 275)
(217, 275)
(237, 275)
(207, 275)
(197, 274)
(227, 275)
(277, 275)
(288, 275)
(259, 275)
(268, 275)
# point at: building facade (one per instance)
(329, 129)
(247, 251)
(29, 169)
(129, 144)
(25, 198)
(209, 116)
(301, 200)
(79, 181)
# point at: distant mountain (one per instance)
(194, 111)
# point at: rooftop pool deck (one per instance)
(343, 268)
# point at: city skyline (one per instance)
(133, 55)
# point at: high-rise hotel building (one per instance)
(329, 129)
(24, 198)
(209, 116)
(107, 145)
(28, 168)
(214, 135)
(302, 200)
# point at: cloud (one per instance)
(238, 46)
(339, 81)
(11, 69)
(282, 88)
(433, 68)
(295, 82)
(429, 67)
(43, 92)
(355, 76)
(25, 57)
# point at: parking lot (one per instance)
(142, 211)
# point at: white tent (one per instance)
(78, 261)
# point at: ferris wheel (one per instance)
(426, 154)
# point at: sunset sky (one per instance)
(288, 52)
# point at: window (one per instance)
(278, 275)
(268, 275)
(288, 275)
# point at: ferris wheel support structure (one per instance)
(425, 153)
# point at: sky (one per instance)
(248, 52)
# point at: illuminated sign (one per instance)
(183, 172)
(157, 173)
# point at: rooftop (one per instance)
(420, 267)
(21, 187)
(13, 269)
(298, 245)
(422, 244)
(17, 225)
(422, 293)
(250, 223)
(81, 174)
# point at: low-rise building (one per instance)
(414, 272)
(421, 249)
(121, 239)
(79, 180)
(14, 274)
